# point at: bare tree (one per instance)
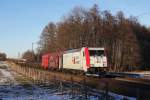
(29, 56)
(47, 40)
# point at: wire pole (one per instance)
(32, 46)
(32, 52)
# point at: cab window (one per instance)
(96, 53)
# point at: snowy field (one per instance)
(14, 86)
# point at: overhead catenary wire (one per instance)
(143, 14)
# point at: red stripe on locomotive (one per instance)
(87, 57)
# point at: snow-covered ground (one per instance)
(14, 86)
(11, 89)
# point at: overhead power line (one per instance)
(142, 14)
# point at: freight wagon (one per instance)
(52, 60)
(84, 59)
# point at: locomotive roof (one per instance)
(90, 48)
(73, 50)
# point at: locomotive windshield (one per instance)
(96, 52)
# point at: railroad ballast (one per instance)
(84, 59)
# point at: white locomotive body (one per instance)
(85, 59)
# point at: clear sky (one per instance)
(22, 21)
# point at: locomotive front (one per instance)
(88, 60)
(95, 60)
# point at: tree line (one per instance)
(127, 42)
(3, 56)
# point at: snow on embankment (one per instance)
(6, 76)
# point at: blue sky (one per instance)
(22, 21)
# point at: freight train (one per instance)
(85, 59)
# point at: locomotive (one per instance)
(85, 59)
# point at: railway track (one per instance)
(135, 80)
